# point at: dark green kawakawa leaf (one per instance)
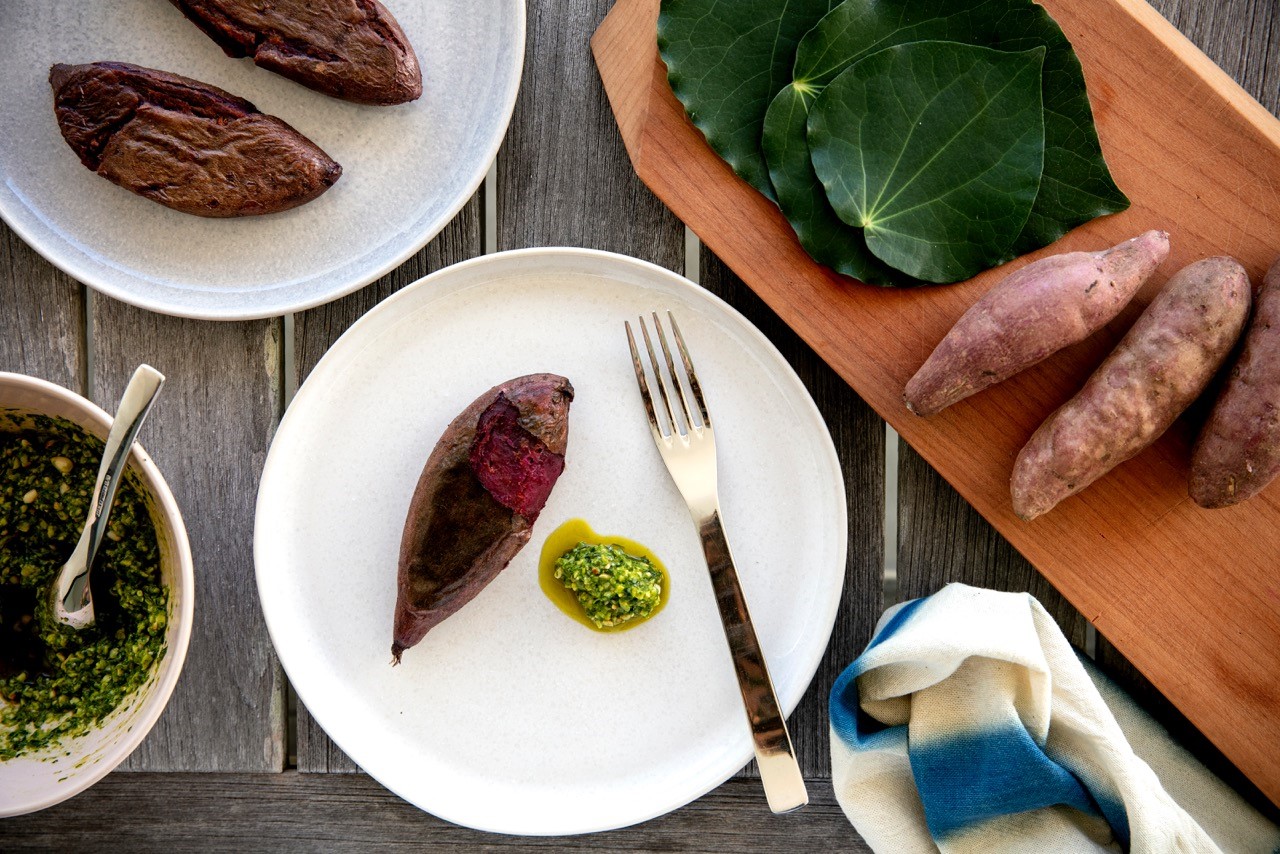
(935, 150)
(1076, 185)
(726, 59)
(799, 193)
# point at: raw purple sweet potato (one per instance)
(478, 496)
(1238, 452)
(1032, 314)
(185, 144)
(1153, 375)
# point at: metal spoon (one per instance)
(72, 600)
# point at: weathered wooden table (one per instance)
(234, 763)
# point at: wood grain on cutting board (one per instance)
(1190, 596)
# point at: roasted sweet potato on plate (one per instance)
(350, 49)
(477, 498)
(185, 144)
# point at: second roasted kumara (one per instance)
(350, 49)
(185, 144)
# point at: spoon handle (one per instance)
(136, 401)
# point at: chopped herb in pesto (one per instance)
(611, 585)
(56, 682)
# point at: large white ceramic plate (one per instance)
(509, 716)
(407, 169)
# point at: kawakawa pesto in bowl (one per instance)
(57, 683)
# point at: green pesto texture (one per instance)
(611, 585)
(55, 682)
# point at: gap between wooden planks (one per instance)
(1189, 596)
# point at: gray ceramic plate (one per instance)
(406, 169)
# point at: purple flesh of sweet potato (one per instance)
(511, 463)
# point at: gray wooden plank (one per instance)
(209, 433)
(339, 813)
(942, 539)
(314, 332)
(858, 434)
(42, 328)
(563, 174)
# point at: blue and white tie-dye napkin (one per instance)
(970, 725)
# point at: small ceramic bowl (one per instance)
(42, 779)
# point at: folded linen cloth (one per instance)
(970, 725)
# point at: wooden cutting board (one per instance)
(1190, 596)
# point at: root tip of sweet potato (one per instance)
(1027, 514)
(919, 403)
(1209, 499)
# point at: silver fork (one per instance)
(688, 447)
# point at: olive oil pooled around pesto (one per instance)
(57, 682)
(639, 569)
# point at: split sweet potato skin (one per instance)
(1033, 313)
(1153, 375)
(1238, 452)
(188, 145)
(477, 498)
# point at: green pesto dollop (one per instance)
(57, 682)
(612, 586)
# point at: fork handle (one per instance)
(776, 758)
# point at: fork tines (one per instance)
(672, 425)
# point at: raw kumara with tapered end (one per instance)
(1047, 305)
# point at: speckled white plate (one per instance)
(509, 716)
(407, 169)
